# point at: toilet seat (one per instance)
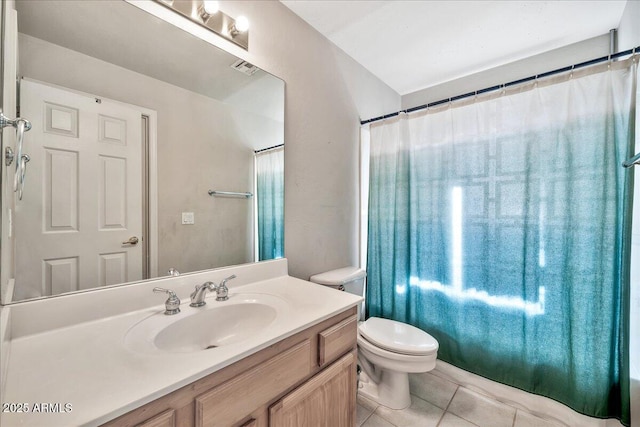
(369, 347)
(397, 337)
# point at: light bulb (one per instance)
(242, 24)
(210, 6)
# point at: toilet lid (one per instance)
(397, 337)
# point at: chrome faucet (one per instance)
(221, 290)
(197, 297)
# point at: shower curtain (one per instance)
(501, 226)
(270, 196)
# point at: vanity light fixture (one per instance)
(241, 26)
(208, 8)
(207, 14)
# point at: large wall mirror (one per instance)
(134, 121)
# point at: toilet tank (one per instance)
(349, 279)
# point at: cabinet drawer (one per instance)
(232, 401)
(165, 419)
(337, 340)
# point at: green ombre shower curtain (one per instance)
(270, 196)
(502, 228)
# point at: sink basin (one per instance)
(217, 324)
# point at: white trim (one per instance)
(152, 209)
(363, 194)
(254, 235)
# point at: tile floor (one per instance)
(436, 402)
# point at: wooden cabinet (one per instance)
(308, 379)
(326, 400)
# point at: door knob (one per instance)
(132, 241)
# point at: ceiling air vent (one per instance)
(244, 67)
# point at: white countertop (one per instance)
(87, 365)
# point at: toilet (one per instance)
(387, 350)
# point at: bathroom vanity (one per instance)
(296, 367)
(307, 379)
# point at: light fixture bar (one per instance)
(218, 22)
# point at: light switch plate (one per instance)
(188, 218)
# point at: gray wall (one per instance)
(537, 64)
(629, 29)
(327, 93)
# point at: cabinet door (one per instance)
(326, 400)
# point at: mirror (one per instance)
(134, 122)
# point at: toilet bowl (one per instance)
(387, 350)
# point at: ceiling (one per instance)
(415, 44)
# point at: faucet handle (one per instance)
(224, 281)
(222, 292)
(172, 304)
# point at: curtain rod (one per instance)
(267, 149)
(502, 86)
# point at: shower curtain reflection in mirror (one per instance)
(270, 198)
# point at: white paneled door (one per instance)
(81, 213)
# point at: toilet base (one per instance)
(392, 391)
